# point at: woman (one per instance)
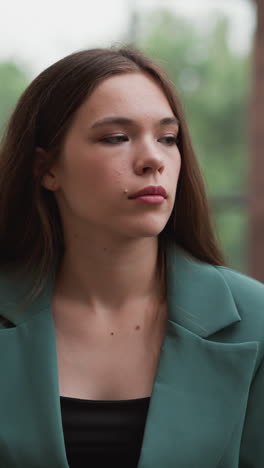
(124, 341)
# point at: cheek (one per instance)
(178, 163)
(114, 173)
(119, 177)
(94, 178)
(174, 173)
(175, 166)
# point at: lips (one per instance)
(151, 190)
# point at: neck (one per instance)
(108, 275)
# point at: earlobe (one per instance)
(47, 176)
(49, 182)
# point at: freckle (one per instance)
(137, 327)
(111, 333)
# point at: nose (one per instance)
(148, 160)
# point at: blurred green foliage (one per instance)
(213, 84)
(13, 81)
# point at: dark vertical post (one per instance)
(256, 169)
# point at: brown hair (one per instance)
(31, 234)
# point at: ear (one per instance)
(49, 179)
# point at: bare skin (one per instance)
(109, 360)
(109, 319)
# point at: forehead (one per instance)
(131, 94)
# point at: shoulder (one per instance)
(243, 288)
(220, 302)
(20, 297)
(247, 292)
(248, 297)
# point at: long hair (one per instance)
(31, 235)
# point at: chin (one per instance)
(147, 230)
(136, 227)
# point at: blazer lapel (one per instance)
(199, 390)
(31, 431)
(201, 386)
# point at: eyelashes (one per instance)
(114, 139)
(170, 140)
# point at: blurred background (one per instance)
(213, 51)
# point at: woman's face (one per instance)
(119, 143)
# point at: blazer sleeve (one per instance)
(252, 443)
(248, 295)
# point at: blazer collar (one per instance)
(193, 291)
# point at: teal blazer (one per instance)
(207, 403)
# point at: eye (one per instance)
(115, 139)
(170, 140)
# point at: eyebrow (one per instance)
(129, 122)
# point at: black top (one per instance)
(100, 433)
